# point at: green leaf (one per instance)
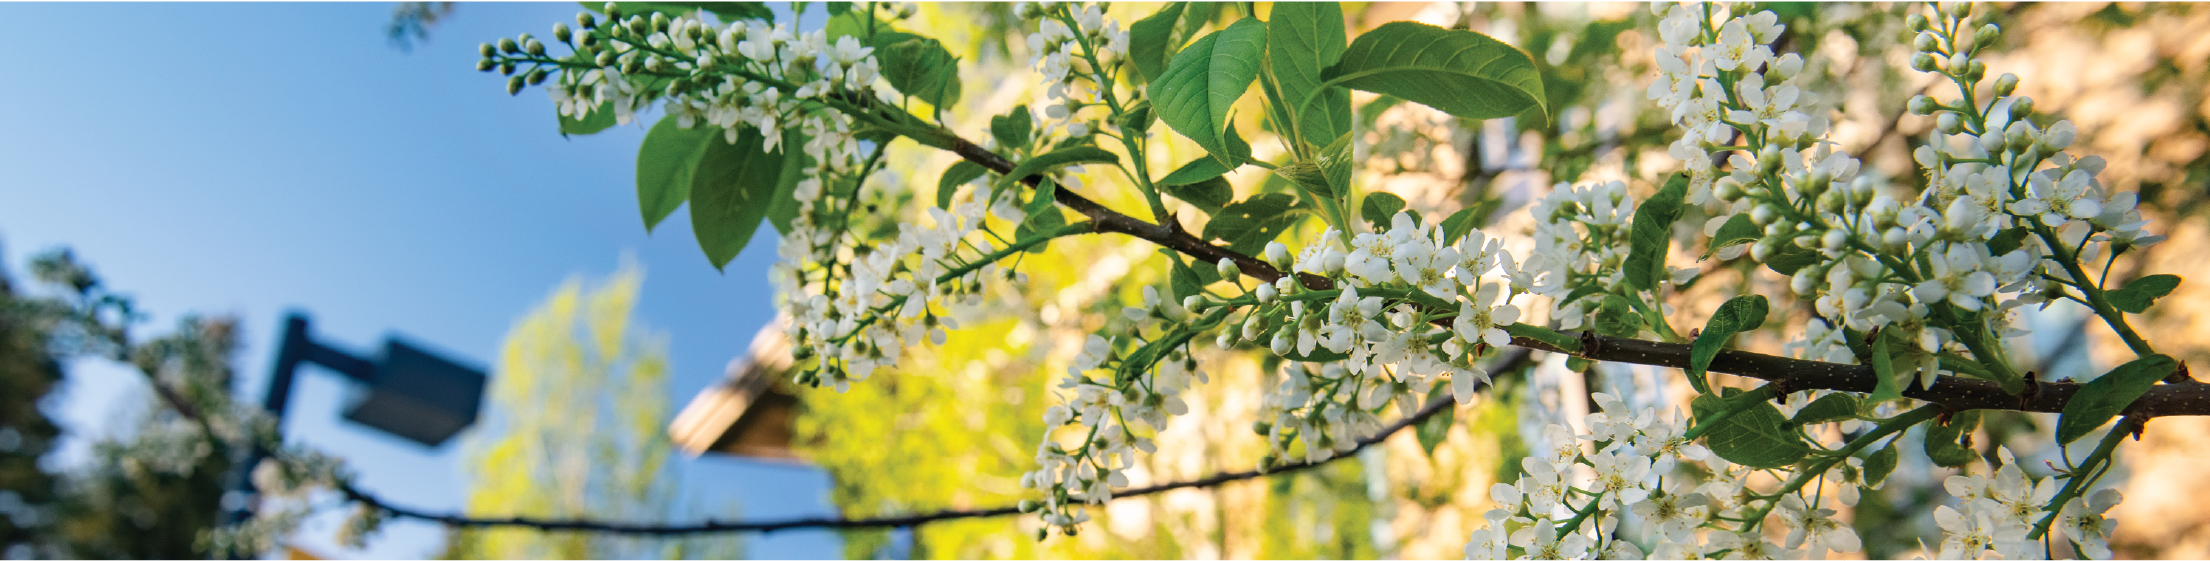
(1319, 354)
(1043, 214)
(1181, 279)
(2007, 241)
(2107, 396)
(1433, 431)
(1944, 441)
(1013, 129)
(1308, 177)
(1742, 313)
(665, 162)
(1380, 208)
(1248, 224)
(1209, 195)
(1881, 463)
(1757, 436)
(1302, 39)
(1043, 198)
(1833, 407)
(1336, 165)
(731, 192)
(1616, 316)
(1055, 159)
(838, 8)
(1887, 388)
(1736, 231)
(1201, 84)
(918, 66)
(1459, 223)
(2137, 295)
(958, 174)
(600, 118)
(1544, 334)
(1652, 235)
(1201, 169)
(1151, 40)
(1462, 73)
(1787, 258)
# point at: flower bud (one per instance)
(1277, 255)
(537, 76)
(1925, 62)
(508, 46)
(1267, 294)
(560, 32)
(1227, 269)
(2006, 83)
(1226, 340)
(1958, 62)
(1926, 42)
(1993, 142)
(1027, 505)
(1948, 123)
(1959, 9)
(1262, 427)
(1861, 190)
(1779, 229)
(613, 11)
(1762, 249)
(1987, 35)
(1833, 200)
(640, 26)
(1282, 343)
(1973, 72)
(1834, 240)
(514, 85)
(1727, 189)
(487, 50)
(659, 21)
(1917, 22)
(633, 66)
(605, 59)
(506, 68)
(589, 41)
(2022, 107)
(1817, 182)
(1894, 238)
(1806, 241)
(1195, 303)
(1768, 158)
(534, 48)
(584, 19)
(1922, 105)
(1805, 281)
(1763, 214)
(486, 65)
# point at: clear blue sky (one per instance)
(247, 159)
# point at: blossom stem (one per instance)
(1804, 476)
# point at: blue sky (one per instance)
(248, 159)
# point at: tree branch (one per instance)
(1510, 362)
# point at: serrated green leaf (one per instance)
(1380, 208)
(1757, 435)
(1433, 431)
(1881, 463)
(1067, 156)
(1458, 224)
(600, 118)
(1833, 407)
(732, 190)
(2139, 294)
(1944, 441)
(1742, 313)
(1737, 230)
(1013, 129)
(1306, 176)
(1205, 168)
(2107, 396)
(665, 161)
(1302, 39)
(918, 66)
(1886, 387)
(1199, 88)
(1787, 258)
(1248, 224)
(1337, 166)
(958, 174)
(1209, 195)
(1150, 40)
(1462, 73)
(1652, 234)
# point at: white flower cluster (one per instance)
(1071, 48)
(2000, 510)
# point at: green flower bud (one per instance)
(488, 51)
(590, 41)
(584, 19)
(1227, 269)
(1027, 505)
(675, 87)
(1768, 158)
(1948, 123)
(1962, 9)
(506, 68)
(508, 46)
(1834, 200)
(633, 67)
(1727, 189)
(1861, 191)
(486, 65)
(1763, 214)
(1263, 428)
(2005, 84)
(514, 85)
(1973, 72)
(639, 26)
(534, 48)
(537, 76)
(1922, 105)
(2021, 108)
(1917, 22)
(560, 32)
(1779, 230)
(1987, 35)
(1925, 62)
(605, 59)
(659, 21)
(613, 12)
(1926, 42)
